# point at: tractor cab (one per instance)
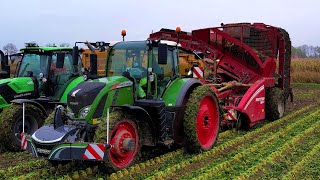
(51, 69)
(150, 65)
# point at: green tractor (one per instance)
(142, 101)
(43, 77)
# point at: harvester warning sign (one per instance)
(197, 72)
(94, 151)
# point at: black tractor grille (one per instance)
(83, 95)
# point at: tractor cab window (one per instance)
(32, 65)
(163, 71)
(59, 77)
(129, 56)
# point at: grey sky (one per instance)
(58, 21)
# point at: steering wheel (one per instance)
(29, 74)
(138, 72)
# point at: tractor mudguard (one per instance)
(185, 90)
(32, 102)
(142, 116)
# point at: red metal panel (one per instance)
(253, 102)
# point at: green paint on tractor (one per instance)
(38, 78)
(171, 94)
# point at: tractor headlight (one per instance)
(84, 112)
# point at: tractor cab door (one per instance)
(60, 77)
(163, 72)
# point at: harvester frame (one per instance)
(253, 70)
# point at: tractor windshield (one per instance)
(128, 56)
(33, 64)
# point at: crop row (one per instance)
(256, 157)
(220, 150)
(173, 161)
(252, 152)
(281, 160)
(14, 158)
(147, 165)
(23, 168)
(310, 161)
(60, 172)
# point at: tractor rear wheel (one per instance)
(125, 138)
(201, 120)
(275, 103)
(11, 124)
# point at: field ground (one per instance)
(287, 148)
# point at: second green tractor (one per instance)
(43, 77)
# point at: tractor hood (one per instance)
(16, 88)
(88, 99)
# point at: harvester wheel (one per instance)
(11, 124)
(125, 138)
(275, 103)
(201, 120)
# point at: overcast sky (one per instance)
(57, 21)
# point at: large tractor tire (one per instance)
(11, 124)
(201, 120)
(275, 103)
(125, 137)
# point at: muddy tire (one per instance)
(125, 136)
(275, 103)
(50, 119)
(11, 124)
(201, 120)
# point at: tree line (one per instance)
(305, 51)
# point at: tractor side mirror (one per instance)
(75, 55)
(5, 72)
(60, 60)
(93, 64)
(162, 53)
(1, 56)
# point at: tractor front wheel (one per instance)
(12, 126)
(124, 137)
(201, 120)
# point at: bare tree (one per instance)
(10, 48)
(51, 45)
(64, 45)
